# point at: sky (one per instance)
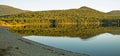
(40, 5)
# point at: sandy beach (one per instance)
(13, 45)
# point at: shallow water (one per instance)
(104, 44)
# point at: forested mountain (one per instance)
(83, 15)
(8, 10)
(83, 12)
(51, 22)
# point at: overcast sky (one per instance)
(34, 5)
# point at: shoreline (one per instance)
(14, 45)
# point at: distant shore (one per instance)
(13, 45)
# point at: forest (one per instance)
(83, 22)
(83, 15)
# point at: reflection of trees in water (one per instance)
(74, 30)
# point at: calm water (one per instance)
(93, 39)
(101, 45)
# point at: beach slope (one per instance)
(13, 45)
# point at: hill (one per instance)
(114, 12)
(8, 10)
(83, 12)
(61, 16)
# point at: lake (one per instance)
(101, 45)
(92, 39)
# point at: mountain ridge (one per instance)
(9, 10)
(79, 13)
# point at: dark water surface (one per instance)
(93, 39)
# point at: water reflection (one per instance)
(83, 31)
(91, 39)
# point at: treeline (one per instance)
(81, 15)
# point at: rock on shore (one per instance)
(13, 45)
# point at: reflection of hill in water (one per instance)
(72, 30)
